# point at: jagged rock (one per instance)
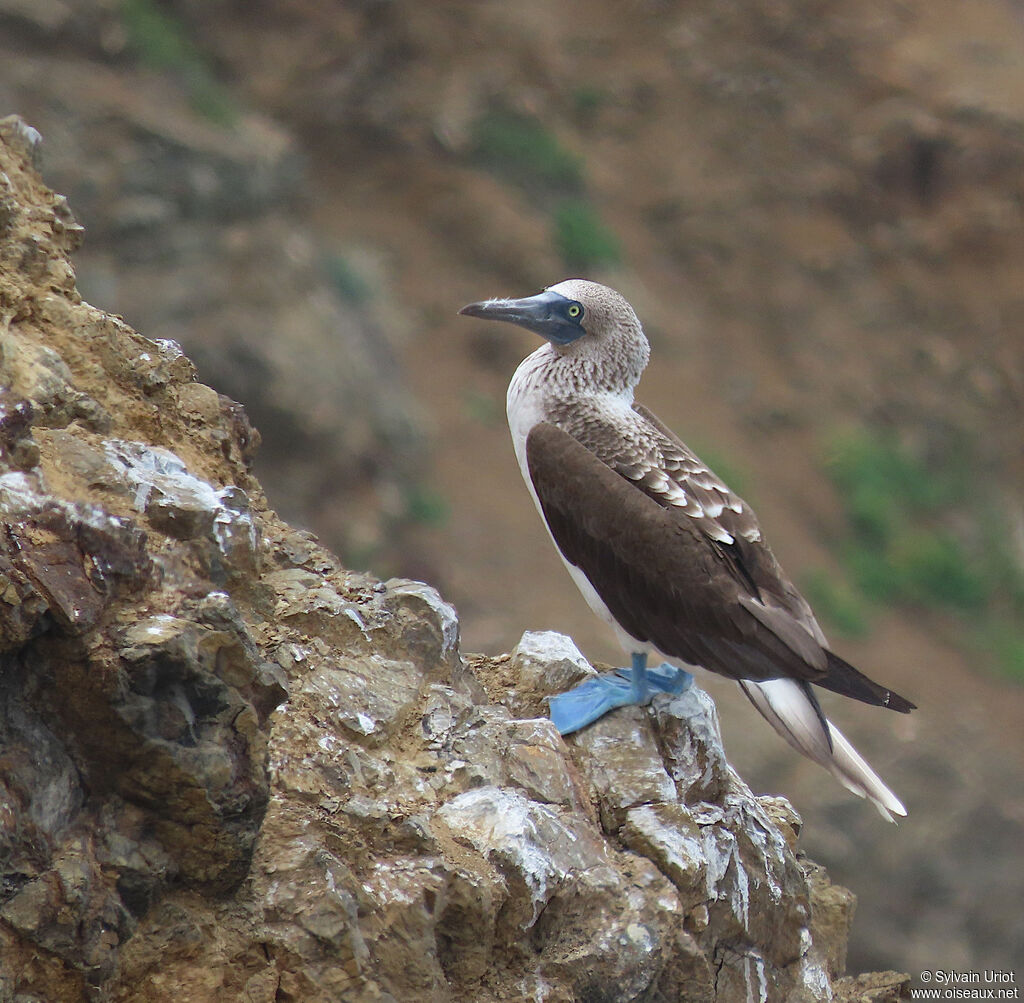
(549, 661)
(874, 987)
(232, 769)
(135, 700)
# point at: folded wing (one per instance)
(679, 562)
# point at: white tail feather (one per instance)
(785, 706)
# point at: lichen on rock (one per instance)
(232, 769)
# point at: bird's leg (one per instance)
(596, 696)
(666, 678)
(639, 689)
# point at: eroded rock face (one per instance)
(231, 769)
(134, 698)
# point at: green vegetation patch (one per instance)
(582, 239)
(588, 100)
(161, 43)
(837, 603)
(920, 537)
(521, 149)
(424, 505)
(1003, 639)
(347, 281)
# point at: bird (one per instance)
(661, 549)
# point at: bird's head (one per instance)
(580, 319)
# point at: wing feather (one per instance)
(662, 577)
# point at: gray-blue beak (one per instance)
(548, 314)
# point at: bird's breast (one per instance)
(527, 402)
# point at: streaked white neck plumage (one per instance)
(548, 383)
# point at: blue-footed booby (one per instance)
(660, 548)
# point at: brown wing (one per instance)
(723, 511)
(663, 579)
(667, 581)
(706, 493)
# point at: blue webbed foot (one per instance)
(595, 697)
(589, 701)
(666, 678)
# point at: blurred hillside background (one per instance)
(817, 208)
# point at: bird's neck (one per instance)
(550, 386)
(571, 376)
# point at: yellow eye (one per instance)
(575, 310)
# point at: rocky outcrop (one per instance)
(232, 769)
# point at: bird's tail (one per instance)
(789, 710)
